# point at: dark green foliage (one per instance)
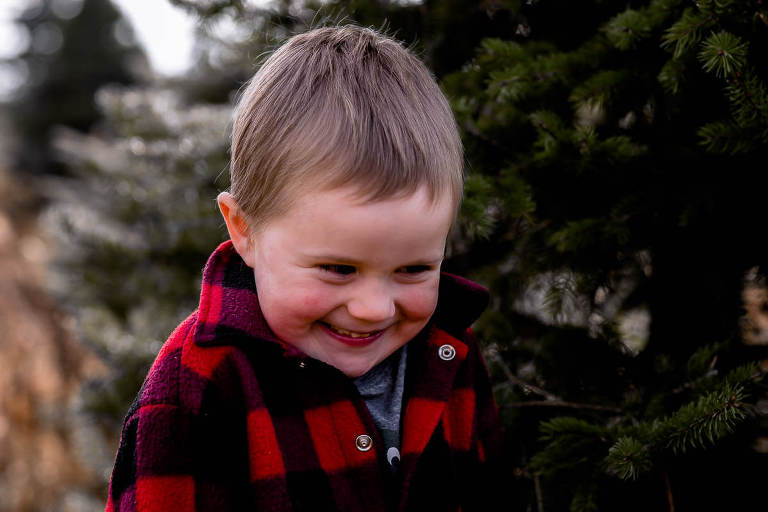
(568, 440)
(638, 142)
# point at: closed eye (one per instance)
(342, 270)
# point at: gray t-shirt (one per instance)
(382, 389)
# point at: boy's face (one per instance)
(348, 282)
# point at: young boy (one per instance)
(329, 365)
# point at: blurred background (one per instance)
(615, 207)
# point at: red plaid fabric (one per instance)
(230, 418)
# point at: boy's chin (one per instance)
(354, 369)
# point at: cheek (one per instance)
(314, 303)
(419, 304)
(296, 307)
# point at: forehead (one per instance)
(353, 189)
(332, 202)
(339, 220)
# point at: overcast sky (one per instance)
(164, 31)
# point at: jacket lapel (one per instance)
(430, 381)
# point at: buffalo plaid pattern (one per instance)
(231, 418)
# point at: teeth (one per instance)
(351, 334)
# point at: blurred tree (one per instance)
(134, 224)
(76, 46)
(612, 207)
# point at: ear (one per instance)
(238, 227)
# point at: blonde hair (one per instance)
(342, 106)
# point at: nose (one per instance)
(372, 302)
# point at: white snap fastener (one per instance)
(393, 456)
(363, 442)
(446, 352)
(302, 364)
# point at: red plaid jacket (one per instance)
(230, 418)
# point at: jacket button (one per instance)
(363, 442)
(446, 352)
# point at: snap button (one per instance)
(393, 456)
(446, 352)
(363, 442)
(302, 364)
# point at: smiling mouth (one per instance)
(350, 334)
(352, 338)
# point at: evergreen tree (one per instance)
(76, 46)
(135, 223)
(617, 154)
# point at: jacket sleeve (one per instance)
(181, 447)
(154, 465)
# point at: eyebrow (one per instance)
(351, 261)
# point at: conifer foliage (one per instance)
(614, 149)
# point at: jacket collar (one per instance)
(229, 306)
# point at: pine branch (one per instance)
(685, 33)
(571, 443)
(672, 75)
(597, 89)
(627, 29)
(708, 419)
(726, 137)
(476, 208)
(749, 126)
(723, 53)
(584, 500)
(517, 197)
(552, 134)
(521, 72)
(716, 7)
(688, 386)
(703, 360)
(563, 290)
(548, 123)
(747, 88)
(711, 418)
(514, 380)
(573, 236)
(628, 458)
